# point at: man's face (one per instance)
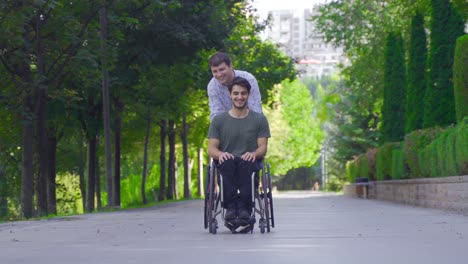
(239, 96)
(223, 73)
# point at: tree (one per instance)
(394, 95)
(296, 136)
(460, 78)
(416, 74)
(446, 26)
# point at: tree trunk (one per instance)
(51, 186)
(3, 193)
(162, 161)
(91, 173)
(106, 107)
(171, 189)
(27, 177)
(200, 192)
(117, 150)
(41, 109)
(81, 172)
(187, 180)
(97, 187)
(145, 156)
(42, 152)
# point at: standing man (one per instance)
(236, 139)
(223, 75)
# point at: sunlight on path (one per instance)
(301, 194)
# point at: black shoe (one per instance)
(230, 212)
(244, 213)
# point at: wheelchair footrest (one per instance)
(240, 226)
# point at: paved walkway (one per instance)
(310, 228)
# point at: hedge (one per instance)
(433, 152)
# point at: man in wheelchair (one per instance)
(236, 140)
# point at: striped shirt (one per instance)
(220, 99)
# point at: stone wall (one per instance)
(447, 193)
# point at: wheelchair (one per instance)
(262, 201)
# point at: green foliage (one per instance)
(398, 169)
(460, 78)
(415, 142)
(384, 161)
(131, 188)
(296, 137)
(352, 126)
(362, 166)
(416, 74)
(394, 96)
(351, 171)
(68, 194)
(449, 158)
(461, 147)
(298, 179)
(446, 26)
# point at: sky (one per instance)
(264, 6)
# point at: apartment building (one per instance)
(295, 35)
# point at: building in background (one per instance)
(295, 35)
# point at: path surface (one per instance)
(310, 228)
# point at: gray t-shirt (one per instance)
(239, 135)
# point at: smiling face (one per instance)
(239, 96)
(223, 73)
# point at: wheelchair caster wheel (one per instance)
(213, 226)
(261, 224)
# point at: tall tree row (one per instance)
(361, 28)
(446, 26)
(76, 74)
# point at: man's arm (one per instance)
(215, 153)
(259, 153)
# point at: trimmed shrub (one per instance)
(414, 143)
(461, 147)
(384, 161)
(450, 166)
(428, 161)
(398, 169)
(351, 170)
(443, 154)
(362, 166)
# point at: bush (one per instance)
(362, 166)
(398, 170)
(414, 143)
(384, 161)
(461, 147)
(68, 194)
(450, 164)
(351, 170)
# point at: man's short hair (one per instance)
(218, 58)
(241, 82)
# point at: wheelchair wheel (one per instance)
(212, 201)
(206, 206)
(265, 199)
(270, 197)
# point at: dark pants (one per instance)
(237, 175)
